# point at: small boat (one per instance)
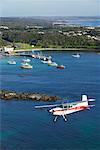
(76, 55)
(44, 58)
(34, 56)
(12, 62)
(46, 61)
(26, 60)
(53, 64)
(26, 66)
(60, 67)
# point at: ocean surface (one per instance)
(79, 20)
(24, 128)
(84, 21)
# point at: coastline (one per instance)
(59, 49)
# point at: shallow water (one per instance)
(24, 128)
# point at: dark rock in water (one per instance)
(9, 95)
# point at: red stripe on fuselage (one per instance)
(75, 108)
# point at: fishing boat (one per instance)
(12, 62)
(76, 55)
(60, 67)
(26, 66)
(26, 60)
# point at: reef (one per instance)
(11, 95)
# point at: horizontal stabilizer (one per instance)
(91, 100)
(91, 105)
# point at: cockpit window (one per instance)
(68, 106)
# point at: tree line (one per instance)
(48, 39)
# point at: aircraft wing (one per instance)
(55, 105)
(46, 106)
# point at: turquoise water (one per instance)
(24, 128)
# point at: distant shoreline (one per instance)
(59, 49)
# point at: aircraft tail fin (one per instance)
(84, 98)
(90, 101)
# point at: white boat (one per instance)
(46, 61)
(12, 62)
(76, 55)
(53, 64)
(26, 66)
(44, 58)
(26, 60)
(34, 56)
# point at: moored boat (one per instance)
(34, 56)
(53, 64)
(46, 61)
(12, 62)
(76, 55)
(60, 67)
(26, 60)
(26, 66)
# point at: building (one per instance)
(4, 27)
(8, 50)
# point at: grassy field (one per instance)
(22, 46)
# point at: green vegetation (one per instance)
(27, 34)
(3, 42)
(23, 46)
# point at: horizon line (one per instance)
(43, 16)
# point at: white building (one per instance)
(4, 27)
(9, 50)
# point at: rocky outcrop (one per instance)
(10, 95)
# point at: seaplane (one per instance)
(64, 109)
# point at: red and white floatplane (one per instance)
(68, 108)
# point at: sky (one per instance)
(20, 8)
